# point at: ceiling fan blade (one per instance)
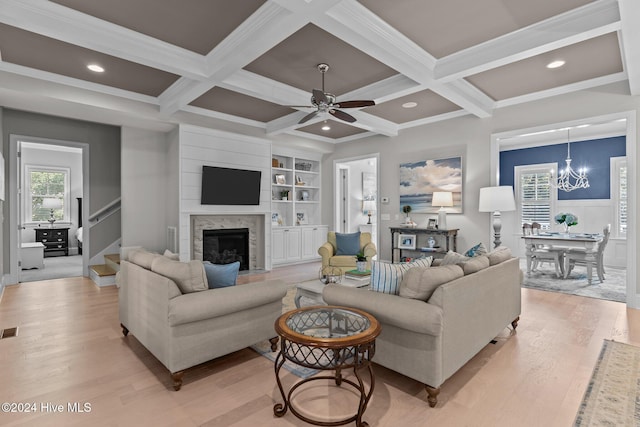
(319, 96)
(300, 106)
(342, 115)
(354, 104)
(307, 117)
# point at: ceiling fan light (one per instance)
(410, 105)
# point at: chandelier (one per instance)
(568, 179)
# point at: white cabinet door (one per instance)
(278, 247)
(292, 244)
(308, 241)
(319, 237)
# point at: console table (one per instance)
(450, 237)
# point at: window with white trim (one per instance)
(41, 183)
(535, 197)
(619, 195)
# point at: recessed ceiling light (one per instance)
(555, 64)
(409, 104)
(95, 68)
(326, 127)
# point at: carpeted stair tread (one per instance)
(103, 270)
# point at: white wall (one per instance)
(144, 188)
(62, 157)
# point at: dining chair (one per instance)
(541, 253)
(589, 259)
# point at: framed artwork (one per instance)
(419, 180)
(433, 224)
(301, 218)
(406, 241)
(280, 179)
(275, 218)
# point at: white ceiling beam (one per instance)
(288, 123)
(592, 20)
(358, 26)
(630, 11)
(61, 23)
(560, 90)
(264, 88)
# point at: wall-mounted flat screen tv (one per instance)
(225, 186)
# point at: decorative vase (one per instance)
(431, 241)
(361, 266)
(567, 228)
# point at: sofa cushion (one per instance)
(221, 275)
(347, 243)
(499, 254)
(189, 276)
(420, 283)
(386, 277)
(477, 250)
(475, 264)
(453, 258)
(142, 257)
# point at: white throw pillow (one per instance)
(386, 277)
(453, 258)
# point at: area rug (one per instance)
(613, 394)
(613, 288)
(264, 348)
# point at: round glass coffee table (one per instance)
(327, 338)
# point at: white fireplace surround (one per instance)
(254, 222)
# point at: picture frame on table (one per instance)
(433, 224)
(279, 178)
(406, 241)
(275, 218)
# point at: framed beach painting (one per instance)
(419, 180)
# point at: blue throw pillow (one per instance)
(347, 243)
(477, 250)
(221, 275)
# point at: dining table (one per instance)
(562, 242)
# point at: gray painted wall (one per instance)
(104, 160)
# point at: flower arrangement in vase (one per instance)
(568, 219)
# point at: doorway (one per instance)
(356, 192)
(49, 181)
(595, 127)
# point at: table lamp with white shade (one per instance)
(496, 200)
(53, 204)
(369, 207)
(442, 199)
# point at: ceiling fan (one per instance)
(325, 102)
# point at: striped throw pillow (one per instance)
(386, 277)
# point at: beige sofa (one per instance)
(185, 329)
(345, 262)
(429, 341)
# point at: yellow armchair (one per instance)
(345, 262)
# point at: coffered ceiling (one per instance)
(254, 62)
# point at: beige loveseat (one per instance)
(345, 262)
(185, 329)
(430, 340)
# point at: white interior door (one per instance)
(19, 207)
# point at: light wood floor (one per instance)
(70, 348)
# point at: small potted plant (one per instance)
(406, 209)
(361, 261)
